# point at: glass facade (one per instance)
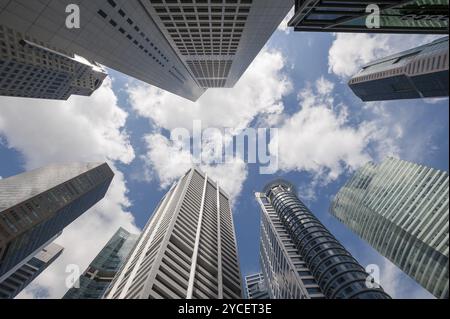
(322, 259)
(401, 210)
(100, 273)
(421, 72)
(417, 16)
(24, 275)
(36, 206)
(255, 287)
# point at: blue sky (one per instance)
(297, 84)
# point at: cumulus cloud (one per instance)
(259, 91)
(350, 51)
(320, 140)
(258, 94)
(169, 161)
(80, 129)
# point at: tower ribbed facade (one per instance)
(188, 248)
(324, 260)
(401, 209)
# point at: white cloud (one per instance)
(350, 51)
(258, 93)
(169, 161)
(80, 129)
(320, 140)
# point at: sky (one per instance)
(296, 84)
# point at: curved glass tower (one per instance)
(336, 272)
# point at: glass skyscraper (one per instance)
(188, 248)
(420, 72)
(401, 210)
(100, 273)
(300, 258)
(396, 16)
(24, 275)
(37, 205)
(255, 287)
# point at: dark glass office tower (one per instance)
(396, 16)
(18, 280)
(100, 273)
(36, 206)
(312, 256)
(421, 72)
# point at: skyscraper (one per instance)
(401, 209)
(417, 73)
(255, 287)
(187, 250)
(396, 16)
(16, 282)
(180, 46)
(30, 69)
(100, 273)
(37, 205)
(300, 258)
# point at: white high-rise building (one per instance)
(28, 68)
(187, 250)
(181, 46)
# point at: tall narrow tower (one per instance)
(101, 271)
(401, 209)
(300, 258)
(37, 205)
(187, 249)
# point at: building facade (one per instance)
(22, 277)
(396, 16)
(401, 210)
(30, 69)
(255, 287)
(300, 258)
(182, 47)
(100, 273)
(188, 248)
(37, 205)
(421, 72)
